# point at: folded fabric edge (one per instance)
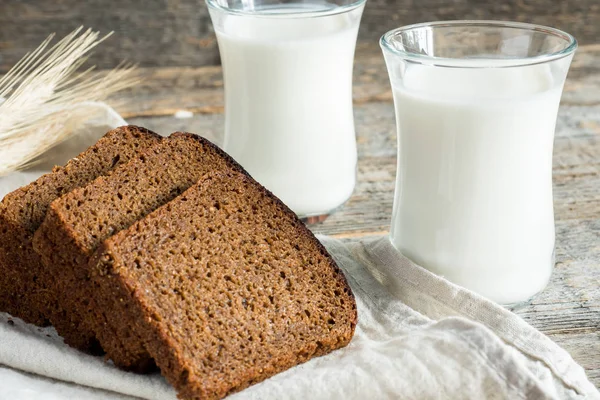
(21, 385)
(28, 352)
(498, 357)
(459, 302)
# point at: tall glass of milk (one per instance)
(287, 68)
(476, 105)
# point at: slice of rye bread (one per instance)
(23, 291)
(225, 286)
(77, 223)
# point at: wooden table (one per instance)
(569, 309)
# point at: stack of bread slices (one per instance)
(164, 252)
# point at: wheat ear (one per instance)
(43, 98)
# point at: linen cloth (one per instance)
(418, 337)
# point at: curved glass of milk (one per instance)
(476, 105)
(287, 68)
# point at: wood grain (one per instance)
(179, 33)
(157, 32)
(569, 309)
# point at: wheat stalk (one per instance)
(43, 99)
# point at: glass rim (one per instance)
(570, 45)
(339, 9)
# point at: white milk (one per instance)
(288, 104)
(474, 186)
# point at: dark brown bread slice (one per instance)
(225, 287)
(23, 291)
(77, 223)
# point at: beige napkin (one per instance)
(418, 337)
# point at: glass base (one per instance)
(499, 290)
(522, 304)
(320, 217)
(314, 219)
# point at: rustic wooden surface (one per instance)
(569, 309)
(179, 33)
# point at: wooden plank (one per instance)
(179, 32)
(157, 33)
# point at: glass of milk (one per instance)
(287, 68)
(476, 105)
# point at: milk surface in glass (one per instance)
(474, 189)
(288, 103)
